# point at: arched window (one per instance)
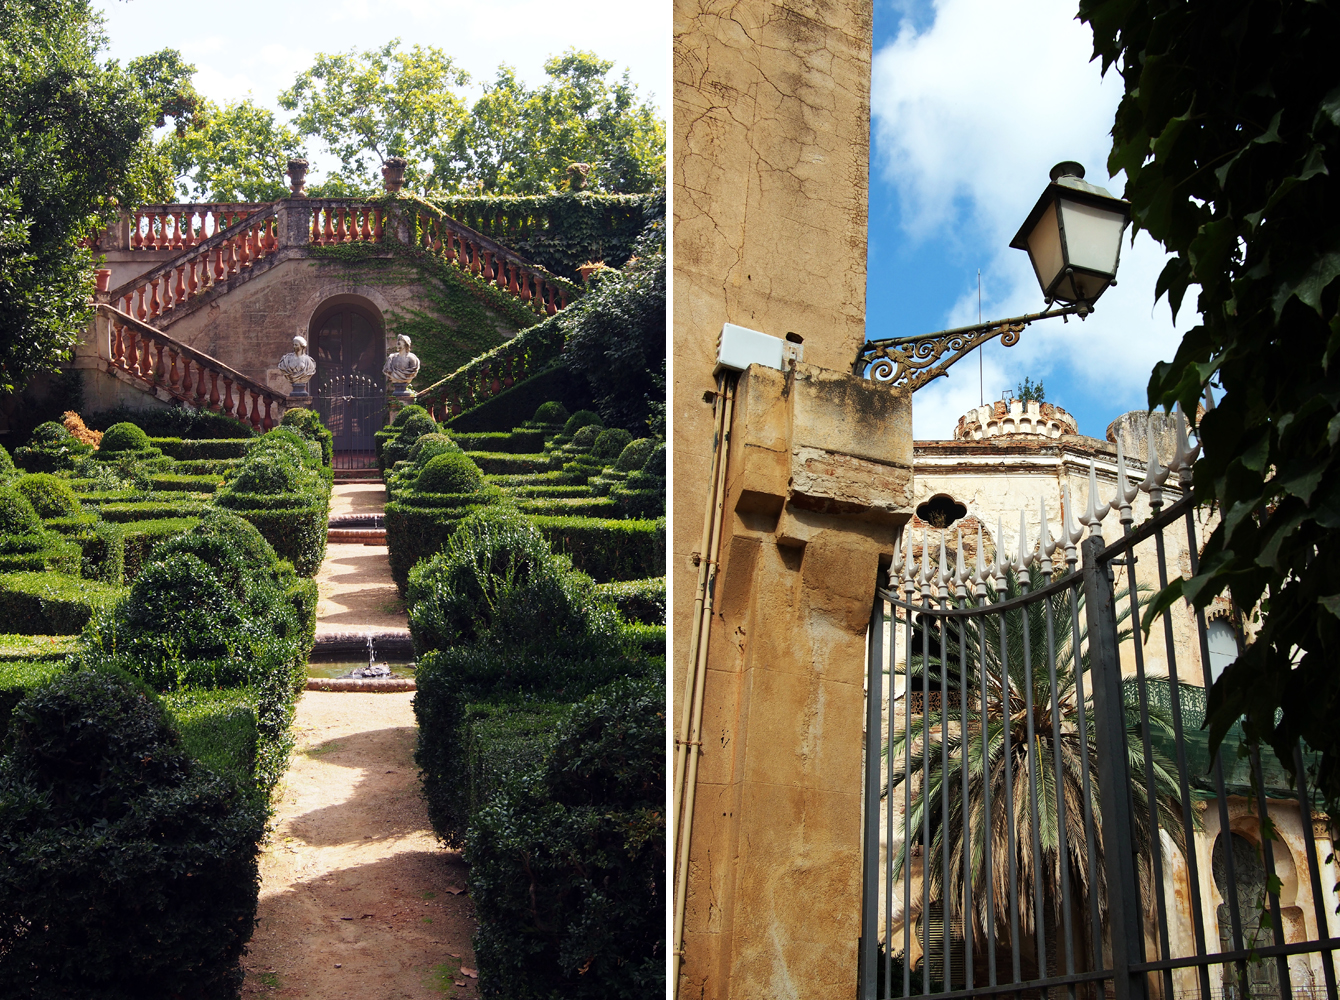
(941, 510)
(1223, 645)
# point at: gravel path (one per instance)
(357, 898)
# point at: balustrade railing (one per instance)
(526, 354)
(151, 356)
(199, 268)
(182, 226)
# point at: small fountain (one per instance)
(373, 669)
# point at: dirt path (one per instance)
(357, 898)
(357, 591)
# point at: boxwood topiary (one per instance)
(306, 453)
(450, 472)
(50, 448)
(610, 444)
(567, 865)
(270, 471)
(580, 419)
(308, 423)
(431, 445)
(413, 410)
(49, 495)
(17, 516)
(114, 842)
(634, 455)
(124, 437)
(411, 429)
(552, 412)
(585, 439)
(6, 462)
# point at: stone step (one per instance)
(348, 536)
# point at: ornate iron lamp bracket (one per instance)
(914, 361)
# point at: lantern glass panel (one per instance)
(1092, 236)
(1044, 247)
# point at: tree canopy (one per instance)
(1229, 134)
(74, 144)
(237, 152)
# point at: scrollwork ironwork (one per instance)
(915, 361)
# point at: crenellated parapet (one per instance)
(1015, 417)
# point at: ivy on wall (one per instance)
(560, 231)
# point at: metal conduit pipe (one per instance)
(686, 769)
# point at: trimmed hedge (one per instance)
(47, 551)
(124, 436)
(520, 441)
(637, 600)
(567, 863)
(584, 506)
(498, 463)
(103, 544)
(142, 536)
(195, 450)
(176, 421)
(50, 448)
(52, 603)
(608, 549)
(502, 740)
(175, 482)
(297, 534)
(218, 728)
(50, 495)
(17, 678)
(308, 424)
(127, 869)
(129, 511)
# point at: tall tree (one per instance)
(369, 106)
(521, 141)
(1229, 134)
(74, 144)
(234, 153)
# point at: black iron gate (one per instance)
(1018, 677)
(353, 407)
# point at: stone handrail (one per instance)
(150, 355)
(200, 267)
(183, 225)
(526, 354)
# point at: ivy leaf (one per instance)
(1310, 284)
(1331, 604)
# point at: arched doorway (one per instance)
(349, 346)
(1249, 882)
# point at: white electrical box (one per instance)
(738, 348)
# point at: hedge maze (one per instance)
(157, 598)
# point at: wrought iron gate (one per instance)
(1015, 678)
(353, 406)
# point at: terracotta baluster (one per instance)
(241, 244)
(116, 343)
(185, 377)
(192, 285)
(500, 274)
(490, 266)
(177, 243)
(327, 233)
(268, 424)
(214, 391)
(512, 270)
(155, 306)
(136, 238)
(474, 258)
(173, 376)
(200, 374)
(438, 231)
(228, 402)
(146, 365)
(231, 264)
(160, 370)
(495, 381)
(219, 272)
(365, 224)
(179, 293)
(509, 367)
(128, 303)
(340, 234)
(377, 225)
(130, 358)
(270, 241)
(455, 404)
(525, 286)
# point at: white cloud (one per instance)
(969, 116)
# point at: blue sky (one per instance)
(257, 47)
(973, 101)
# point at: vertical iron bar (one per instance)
(1221, 793)
(1314, 871)
(925, 791)
(1011, 848)
(907, 811)
(966, 823)
(1031, 756)
(988, 834)
(1062, 840)
(1268, 853)
(1095, 912)
(1175, 700)
(870, 883)
(945, 911)
(1147, 746)
(888, 861)
(1113, 774)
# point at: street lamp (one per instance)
(1073, 238)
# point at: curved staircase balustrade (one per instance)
(526, 354)
(199, 268)
(182, 225)
(149, 355)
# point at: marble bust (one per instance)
(401, 367)
(298, 367)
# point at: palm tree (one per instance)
(1018, 751)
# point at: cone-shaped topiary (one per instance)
(634, 455)
(610, 444)
(17, 516)
(49, 495)
(580, 419)
(123, 437)
(552, 412)
(452, 472)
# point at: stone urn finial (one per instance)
(297, 173)
(393, 173)
(577, 176)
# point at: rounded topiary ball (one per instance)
(655, 463)
(452, 472)
(17, 516)
(50, 496)
(552, 412)
(409, 411)
(430, 446)
(580, 419)
(417, 426)
(124, 437)
(610, 444)
(634, 455)
(586, 437)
